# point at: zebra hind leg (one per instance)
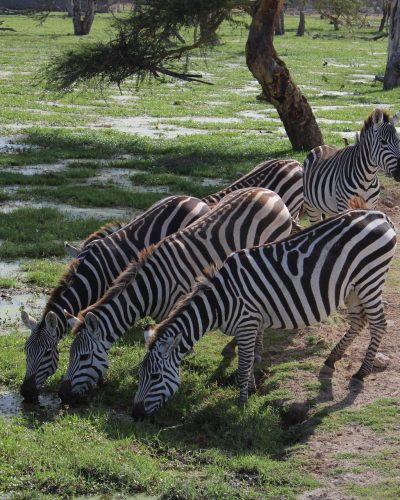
(258, 349)
(377, 327)
(358, 320)
(229, 349)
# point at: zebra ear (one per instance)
(51, 322)
(28, 321)
(377, 117)
(71, 250)
(71, 319)
(395, 119)
(166, 348)
(92, 324)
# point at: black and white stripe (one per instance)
(294, 283)
(243, 219)
(283, 176)
(333, 176)
(88, 276)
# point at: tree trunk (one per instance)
(302, 24)
(275, 80)
(385, 10)
(83, 18)
(280, 22)
(392, 72)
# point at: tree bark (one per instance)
(392, 72)
(302, 24)
(280, 22)
(385, 11)
(275, 80)
(83, 18)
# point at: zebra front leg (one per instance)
(246, 343)
(313, 214)
(358, 320)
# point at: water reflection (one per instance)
(13, 404)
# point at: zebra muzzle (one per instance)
(65, 392)
(29, 390)
(139, 412)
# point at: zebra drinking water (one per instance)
(167, 272)
(289, 284)
(333, 176)
(88, 277)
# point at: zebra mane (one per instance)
(357, 202)
(64, 283)
(124, 279)
(369, 122)
(104, 231)
(202, 284)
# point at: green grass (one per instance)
(39, 233)
(44, 273)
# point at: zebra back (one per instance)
(283, 176)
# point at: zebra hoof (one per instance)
(356, 384)
(327, 371)
(257, 359)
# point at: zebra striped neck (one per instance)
(192, 319)
(360, 162)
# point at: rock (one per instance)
(388, 202)
(381, 361)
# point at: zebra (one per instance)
(284, 176)
(296, 282)
(104, 231)
(333, 176)
(166, 273)
(89, 275)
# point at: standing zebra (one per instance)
(289, 284)
(166, 273)
(88, 277)
(333, 176)
(284, 177)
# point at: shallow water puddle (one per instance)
(11, 305)
(105, 213)
(13, 404)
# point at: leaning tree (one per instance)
(147, 44)
(392, 73)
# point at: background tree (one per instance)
(146, 45)
(302, 18)
(385, 14)
(392, 72)
(83, 12)
(340, 11)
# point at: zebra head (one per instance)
(88, 359)
(380, 138)
(41, 353)
(158, 377)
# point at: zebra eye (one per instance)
(383, 142)
(155, 377)
(84, 357)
